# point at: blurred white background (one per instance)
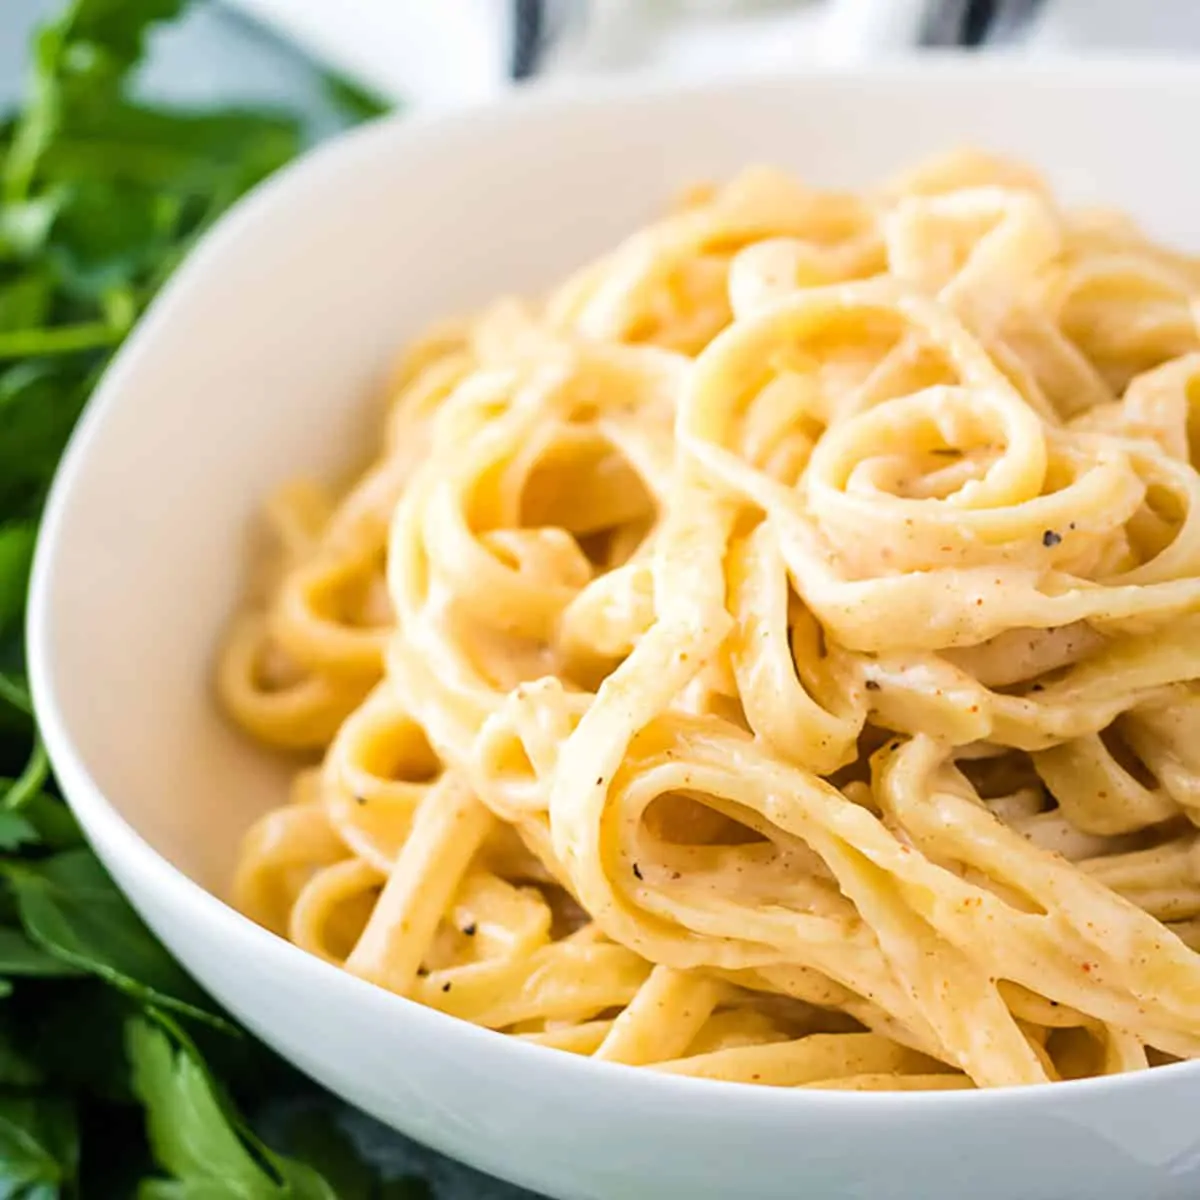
(449, 51)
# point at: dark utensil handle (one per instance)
(528, 36)
(976, 22)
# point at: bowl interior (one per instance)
(265, 357)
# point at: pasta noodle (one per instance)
(774, 656)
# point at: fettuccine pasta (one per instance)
(773, 656)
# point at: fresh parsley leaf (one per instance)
(15, 831)
(107, 235)
(16, 556)
(195, 1136)
(80, 59)
(39, 1146)
(353, 101)
(71, 909)
(52, 820)
(25, 300)
(14, 694)
(170, 151)
(40, 401)
(25, 226)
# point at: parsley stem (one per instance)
(62, 339)
(15, 693)
(30, 781)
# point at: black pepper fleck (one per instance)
(445, 987)
(360, 799)
(637, 871)
(1050, 538)
(469, 930)
(1037, 687)
(872, 686)
(600, 781)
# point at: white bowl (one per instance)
(255, 365)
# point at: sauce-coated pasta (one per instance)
(774, 656)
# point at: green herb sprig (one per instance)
(118, 1075)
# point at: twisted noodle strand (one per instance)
(774, 656)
